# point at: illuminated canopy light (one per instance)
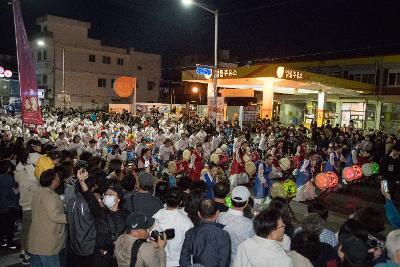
(187, 2)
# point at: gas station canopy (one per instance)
(280, 79)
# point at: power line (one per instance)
(328, 52)
(259, 7)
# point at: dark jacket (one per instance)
(390, 168)
(8, 198)
(209, 245)
(146, 203)
(81, 227)
(109, 225)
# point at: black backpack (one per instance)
(135, 249)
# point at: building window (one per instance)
(150, 85)
(39, 56)
(102, 83)
(368, 78)
(137, 83)
(44, 28)
(393, 79)
(44, 79)
(106, 60)
(44, 54)
(362, 77)
(334, 74)
(120, 61)
(112, 83)
(139, 68)
(92, 58)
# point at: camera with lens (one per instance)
(169, 234)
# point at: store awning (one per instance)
(281, 79)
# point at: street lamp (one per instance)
(41, 43)
(195, 90)
(187, 2)
(215, 13)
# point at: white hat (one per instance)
(240, 194)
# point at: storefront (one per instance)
(293, 96)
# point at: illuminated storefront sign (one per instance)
(227, 73)
(5, 73)
(289, 74)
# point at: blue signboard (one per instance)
(203, 71)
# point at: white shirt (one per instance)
(182, 144)
(215, 142)
(139, 148)
(62, 143)
(207, 148)
(263, 144)
(102, 142)
(259, 252)
(159, 140)
(238, 227)
(79, 147)
(166, 152)
(193, 140)
(178, 220)
(94, 151)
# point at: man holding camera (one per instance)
(132, 249)
(173, 219)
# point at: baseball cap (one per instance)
(146, 179)
(137, 220)
(354, 249)
(240, 194)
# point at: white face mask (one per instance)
(109, 201)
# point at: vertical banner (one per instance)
(248, 114)
(30, 109)
(216, 111)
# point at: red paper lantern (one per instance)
(124, 86)
(326, 180)
(322, 181)
(349, 174)
(357, 169)
(333, 179)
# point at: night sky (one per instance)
(250, 29)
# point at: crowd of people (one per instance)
(107, 189)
